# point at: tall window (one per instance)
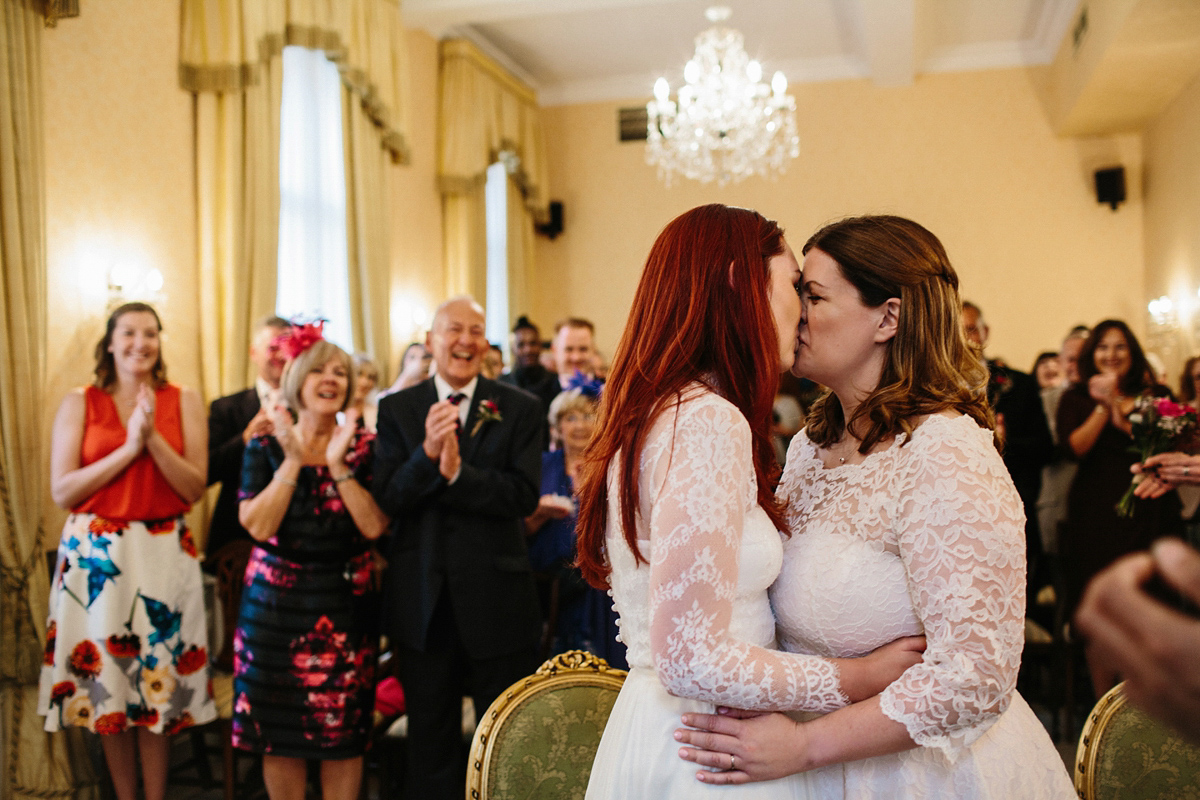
(496, 199)
(313, 272)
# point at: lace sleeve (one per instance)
(703, 487)
(960, 529)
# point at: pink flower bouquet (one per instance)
(1160, 425)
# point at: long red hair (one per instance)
(701, 312)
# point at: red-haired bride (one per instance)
(904, 521)
(677, 513)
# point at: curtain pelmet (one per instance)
(225, 43)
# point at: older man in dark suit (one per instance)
(233, 421)
(457, 467)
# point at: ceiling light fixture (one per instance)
(726, 124)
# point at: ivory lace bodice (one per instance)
(922, 538)
(698, 613)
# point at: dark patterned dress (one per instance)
(304, 650)
(1094, 535)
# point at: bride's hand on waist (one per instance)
(759, 748)
(868, 676)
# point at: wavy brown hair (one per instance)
(105, 371)
(929, 366)
(700, 313)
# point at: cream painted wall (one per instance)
(1173, 219)
(971, 156)
(120, 186)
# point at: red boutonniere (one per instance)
(488, 412)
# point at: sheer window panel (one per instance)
(496, 303)
(313, 277)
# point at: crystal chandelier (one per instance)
(727, 124)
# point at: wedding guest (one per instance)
(233, 421)
(1189, 379)
(527, 372)
(903, 520)
(578, 616)
(458, 471)
(1134, 637)
(1093, 420)
(574, 348)
(126, 643)
(366, 378)
(1047, 370)
(1024, 434)
(493, 363)
(304, 651)
(677, 512)
(1060, 472)
(414, 368)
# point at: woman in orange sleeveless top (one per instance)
(126, 652)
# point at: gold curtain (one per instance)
(230, 56)
(237, 208)
(366, 232)
(32, 763)
(485, 111)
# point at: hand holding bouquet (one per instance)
(1159, 425)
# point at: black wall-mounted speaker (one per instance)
(555, 225)
(1110, 186)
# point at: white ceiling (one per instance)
(578, 51)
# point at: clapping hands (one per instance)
(140, 425)
(441, 438)
(339, 443)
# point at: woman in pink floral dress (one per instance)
(304, 650)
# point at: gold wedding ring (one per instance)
(731, 763)
(1186, 470)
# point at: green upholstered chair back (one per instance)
(1125, 755)
(538, 739)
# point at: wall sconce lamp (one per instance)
(127, 283)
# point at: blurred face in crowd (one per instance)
(526, 347)
(325, 386)
(572, 351)
(1112, 353)
(976, 329)
(135, 343)
(493, 363)
(364, 382)
(458, 342)
(416, 361)
(1048, 373)
(267, 356)
(575, 428)
(1068, 358)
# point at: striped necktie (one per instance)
(455, 399)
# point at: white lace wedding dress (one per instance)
(696, 619)
(920, 538)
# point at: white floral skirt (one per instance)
(126, 643)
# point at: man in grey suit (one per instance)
(458, 460)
